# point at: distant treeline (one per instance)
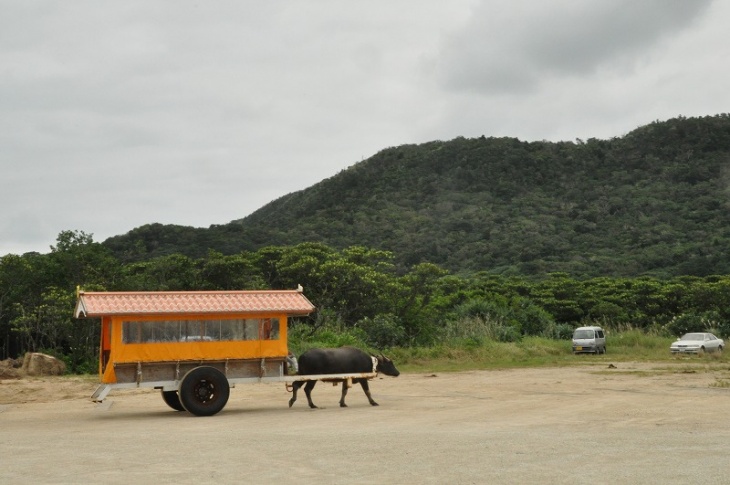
(653, 202)
(356, 289)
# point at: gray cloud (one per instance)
(119, 114)
(511, 47)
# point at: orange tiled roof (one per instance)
(96, 304)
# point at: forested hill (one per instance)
(655, 201)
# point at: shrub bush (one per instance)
(383, 331)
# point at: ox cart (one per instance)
(195, 345)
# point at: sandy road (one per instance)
(637, 423)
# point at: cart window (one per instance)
(251, 330)
(200, 330)
(231, 329)
(270, 329)
(131, 332)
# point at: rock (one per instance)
(37, 364)
(8, 369)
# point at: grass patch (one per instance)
(470, 354)
(722, 383)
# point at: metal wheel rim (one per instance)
(204, 391)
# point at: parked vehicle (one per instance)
(590, 340)
(697, 343)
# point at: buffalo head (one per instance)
(386, 366)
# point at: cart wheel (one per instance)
(172, 399)
(204, 391)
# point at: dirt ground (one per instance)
(635, 423)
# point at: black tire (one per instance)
(172, 399)
(204, 391)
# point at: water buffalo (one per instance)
(345, 360)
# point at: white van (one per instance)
(590, 340)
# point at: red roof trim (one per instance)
(97, 304)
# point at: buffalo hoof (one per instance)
(373, 403)
(291, 402)
(343, 405)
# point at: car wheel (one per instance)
(204, 391)
(172, 399)
(701, 351)
(719, 349)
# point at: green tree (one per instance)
(412, 300)
(76, 260)
(236, 272)
(48, 325)
(166, 273)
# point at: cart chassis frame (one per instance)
(264, 376)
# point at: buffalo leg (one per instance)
(366, 388)
(308, 391)
(295, 387)
(344, 393)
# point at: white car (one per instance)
(589, 339)
(697, 343)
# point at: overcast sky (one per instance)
(118, 114)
